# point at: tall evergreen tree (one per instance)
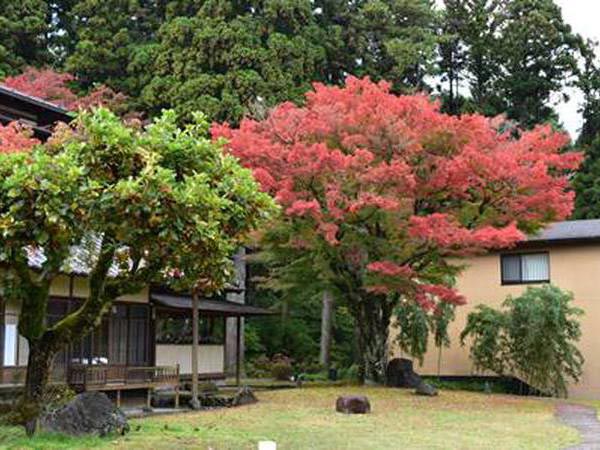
(587, 184)
(23, 32)
(112, 42)
(518, 56)
(232, 56)
(227, 58)
(587, 180)
(393, 40)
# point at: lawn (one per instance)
(305, 419)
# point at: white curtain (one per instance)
(10, 344)
(534, 267)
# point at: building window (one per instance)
(525, 268)
(122, 338)
(176, 329)
(10, 344)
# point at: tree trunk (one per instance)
(373, 317)
(326, 325)
(38, 373)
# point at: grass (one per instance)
(305, 419)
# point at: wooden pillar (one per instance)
(118, 398)
(238, 352)
(2, 325)
(177, 389)
(194, 402)
(149, 398)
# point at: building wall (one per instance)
(574, 268)
(210, 358)
(61, 287)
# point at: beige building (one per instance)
(566, 254)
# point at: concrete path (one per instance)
(585, 420)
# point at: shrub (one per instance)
(414, 325)
(259, 367)
(349, 373)
(534, 338)
(282, 371)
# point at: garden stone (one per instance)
(244, 396)
(353, 404)
(400, 373)
(426, 390)
(88, 413)
(163, 398)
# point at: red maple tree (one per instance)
(387, 191)
(15, 138)
(55, 87)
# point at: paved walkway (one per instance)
(585, 420)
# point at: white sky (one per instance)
(583, 16)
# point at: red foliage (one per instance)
(53, 87)
(359, 159)
(45, 84)
(14, 138)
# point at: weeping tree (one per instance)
(533, 336)
(155, 204)
(415, 326)
(382, 189)
(412, 325)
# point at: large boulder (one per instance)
(244, 396)
(353, 404)
(88, 413)
(400, 373)
(426, 390)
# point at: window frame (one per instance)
(206, 320)
(521, 281)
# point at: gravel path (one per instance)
(585, 420)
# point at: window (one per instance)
(525, 268)
(122, 337)
(173, 328)
(10, 344)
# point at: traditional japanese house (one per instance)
(145, 341)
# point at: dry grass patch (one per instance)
(306, 419)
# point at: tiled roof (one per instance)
(31, 99)
(570, 230)
(218, 307)
(81, 261)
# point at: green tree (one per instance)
(111, 43)
(415, 325)
(519, 55)
(228, 58)
(393, 40)
(412, 324)
(159, 204)
(587, 179)
(587, 184)
(534, 338)
(23, 32)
